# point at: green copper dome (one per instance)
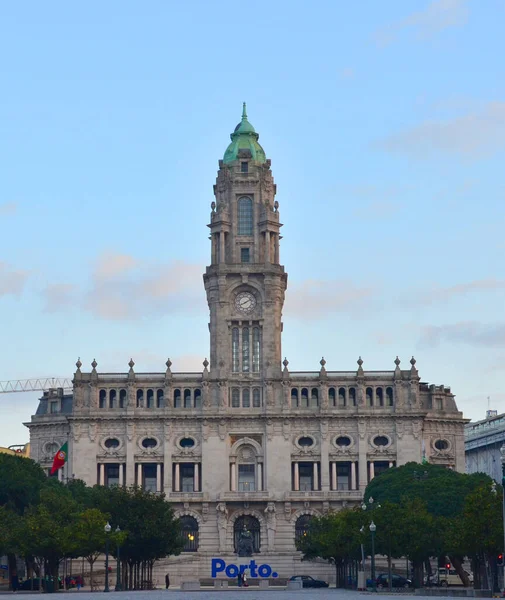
(244, 138)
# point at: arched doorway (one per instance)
(301, 528)
(251, 524)
(189, 532)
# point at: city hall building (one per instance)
(246, 441)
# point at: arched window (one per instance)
(245, 349)
(352, 396)
(198, 398)
(234, 349)
(294, 398)
(256, 398)
(187, 398)
(379, 397)
(177, 399)
(389, 396)
(331, 397)
(246, 398)
(235, 398)
(150, 399)
(341, 397)
(140, 398)
(122, 398)
(159, 399)
(305, 398)
(369, 396)
(102, 399)
(189, 531)
(256, 350)
(245, 216)
(250, 524)
(301, 528)
(112, 399)
(314, 397)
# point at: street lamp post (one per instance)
(373, 527)
(502, 452)
(107, 529)
(118, 568)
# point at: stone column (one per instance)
(267, 246)
(277, 258)
(102, 474)
(233, 483)
(315, 477)
(139, 475)
(297, 478)
(121, 467)
(177, 482)
(259, 486)
(372, 470)
(196, 477)
(353, 475)
(158, 477)
(333, 475)
(221, 247)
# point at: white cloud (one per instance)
(461, 289)
(12, 281)
(471, 136)
(473, 333)
(59, 296)
(424, 24)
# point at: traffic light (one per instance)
(499, 560)
(447, 566)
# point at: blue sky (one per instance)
(385, 123)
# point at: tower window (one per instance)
(245, 216)
(245, 349)
(244, 167)
(244, 255)
(234, 349)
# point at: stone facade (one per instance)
(246, 440)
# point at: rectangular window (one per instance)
(149, 472)
(53, 407)
(246, 398)
(187, 477)
(245, 349)
(111, 475)
(256, 398)
(343, 476)
(256, 350)
(235, 349)
(246, 478)
(244, 255)
(306, 471)
(244, 167)
(380, 466)
(235, 398)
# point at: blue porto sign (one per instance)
(218, 565)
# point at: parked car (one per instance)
(398, 581)
(309, 582)
(445, 577)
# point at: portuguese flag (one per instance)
(60, 458)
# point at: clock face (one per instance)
(245, 302)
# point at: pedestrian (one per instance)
(167, 581)
(239, 580)
(244, 580)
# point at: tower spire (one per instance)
(244, 112)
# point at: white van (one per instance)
(450, 577)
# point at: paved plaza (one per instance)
(233, 594)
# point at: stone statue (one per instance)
(271, 525)
(245, 545)
(222, 524)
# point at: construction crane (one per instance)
(42, 384)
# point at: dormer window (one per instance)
(244, 167)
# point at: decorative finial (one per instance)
(169, 364)
(244, 113)
(413, 362)
(213, 206)
(78, 364)
(94, 364)
(397, 362)
(285, 362)
(131, 364)
(322, 362)
(276, 206)
(205, 364)
(360, 362)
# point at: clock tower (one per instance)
(245, 283)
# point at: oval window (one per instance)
(381, 440)
(111, 443)
(343, 441)
(305, 441)
(187, 443)
(149, 443)
(441, 444)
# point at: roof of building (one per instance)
(244, 138)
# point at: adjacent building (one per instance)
(483, 440)
(246, 441)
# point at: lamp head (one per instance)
(117, 529)
(107, 528)
(373, 527)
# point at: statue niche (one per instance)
(246, 533)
